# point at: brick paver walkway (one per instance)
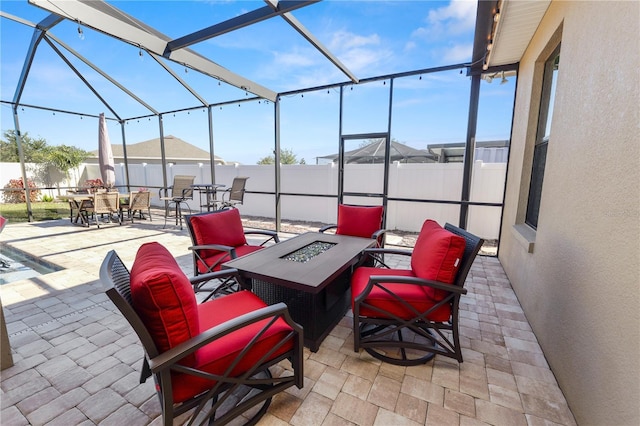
(77, 361)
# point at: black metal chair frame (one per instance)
(234, 194)
(223, 285)
(259, 381)
(422, 339)
(181, 191)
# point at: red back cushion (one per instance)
(163, 298)
(359, 221)
(437, 255)
(222, 227)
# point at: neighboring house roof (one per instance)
(176, 151)
(487, 151)
(375, 152)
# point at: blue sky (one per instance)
(370, 38)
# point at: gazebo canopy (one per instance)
(374, 153)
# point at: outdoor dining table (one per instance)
(209, 191)
(76, 202)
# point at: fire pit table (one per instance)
(311, 273)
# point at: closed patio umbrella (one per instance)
(105, 155)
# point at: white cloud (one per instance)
(459, 15)
(365, 61)
(295, 58)
(409, 46)
(456, 18)
(360, 54)
(458, 53)
(343, 40)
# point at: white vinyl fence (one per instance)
(431, 181)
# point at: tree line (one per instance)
(36, 150)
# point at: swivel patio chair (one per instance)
(406, 317)
(235, 194)
(137, 202)
(359, 221)
(209, 361)
(218, 237)
(177, 194)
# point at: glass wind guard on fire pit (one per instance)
(308, 252)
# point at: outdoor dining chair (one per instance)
(138, 201)
(210, 360)
(218, 237)
(407, 316)
(235, 194)
(177, 195)
(102, 203)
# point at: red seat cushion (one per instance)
(216, 357)
(414, 295)
(163, 298)
(223, 256)
(222, 227)
(359, 221)
(437, 256)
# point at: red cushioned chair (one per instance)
(407, 316)
(218, 237)
(212, 358)
(359, 221)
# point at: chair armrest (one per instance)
(172, 356)
(377, 279)
(375, 250)
(378, 253)
(326, 228)
(450, 288)
(184, 192)
(216, 275)
(166, 192)
(271, 234)
(219, 247)
(379, 233)
(224, 191)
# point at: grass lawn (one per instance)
(41, 211)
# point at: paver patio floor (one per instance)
(77, 361)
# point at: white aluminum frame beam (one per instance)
(102, 73)
(109, 20)
(297, 25)
(235, 23)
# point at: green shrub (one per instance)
(14, 192)
(47, 198)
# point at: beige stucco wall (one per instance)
(580, 286)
